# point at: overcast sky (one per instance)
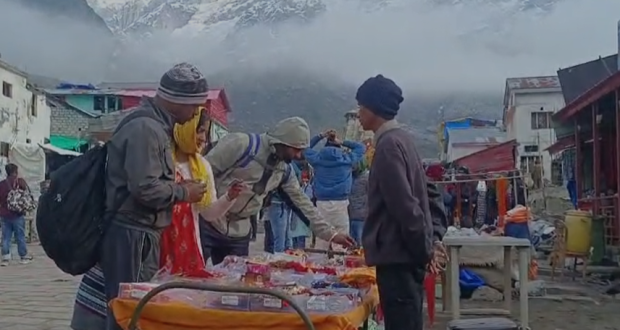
(420, 48)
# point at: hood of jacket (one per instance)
(293, 132)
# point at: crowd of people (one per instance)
(173, 208)
(335, 179)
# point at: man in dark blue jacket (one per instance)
(333, 167)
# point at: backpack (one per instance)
(20, 200)
(246, 157)
(71, 216)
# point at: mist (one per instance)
(427, 49)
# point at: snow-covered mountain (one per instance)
(146, 16)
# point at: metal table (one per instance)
(523, 246)
(133, 324)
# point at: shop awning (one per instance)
(67, 142)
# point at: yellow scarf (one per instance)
(185, 141)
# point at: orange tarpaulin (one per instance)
(179, 316)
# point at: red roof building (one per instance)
(499, 157)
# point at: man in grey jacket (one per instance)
(265, 171)
(402, 230)
(358, 201)
(140, 180)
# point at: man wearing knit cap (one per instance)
(140, 180)
(266, 170)
(401, 224)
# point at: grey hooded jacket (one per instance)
(223, 157)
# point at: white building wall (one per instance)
(23, 116)
(521, 126)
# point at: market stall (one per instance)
(278, 291)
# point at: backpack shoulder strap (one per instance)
(251, 151)
(247, 156)
(287, 175)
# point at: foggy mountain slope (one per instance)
(60, 39)
(259, 99)
(78, 10)
(145, 16)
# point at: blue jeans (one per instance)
(355, 228)
(280, 219)
(299, 242)
(14, 227)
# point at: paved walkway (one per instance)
(38, 296)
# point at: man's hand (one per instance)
(440, 258)
(337, 141)
(328, 133)
(344, 240)
(195, 190)
(235, 189)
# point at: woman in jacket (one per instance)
(181, 251)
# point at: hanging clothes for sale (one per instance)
(501, 193)
(481, 203)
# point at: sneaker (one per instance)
(25, 260)
(4, 263)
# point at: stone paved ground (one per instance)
(38, 296)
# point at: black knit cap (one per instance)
(380, 95)
(184, 84)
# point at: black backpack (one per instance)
(71, 216)
(71, 213)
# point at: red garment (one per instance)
(180, 249)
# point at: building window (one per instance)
(530, 148)
(33, 106)
(114, 103)
(99, 103)
(111, 106)
(541, 119)
(7, 89)
(4, 149)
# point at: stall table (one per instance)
(523, 246)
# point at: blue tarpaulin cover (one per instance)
(75, 86)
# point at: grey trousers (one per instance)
(128, 254)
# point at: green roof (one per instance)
(67, 142)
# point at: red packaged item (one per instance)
(257, 274)
(354, 261)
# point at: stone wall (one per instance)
(69, 122)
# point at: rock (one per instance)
(485, 293)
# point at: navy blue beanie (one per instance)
(381, 96)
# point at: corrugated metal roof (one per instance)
(533, 82)
(489, 135)
(129, 85)
(76, 91)
(499, 157)
(578, 79)
(136, 92)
